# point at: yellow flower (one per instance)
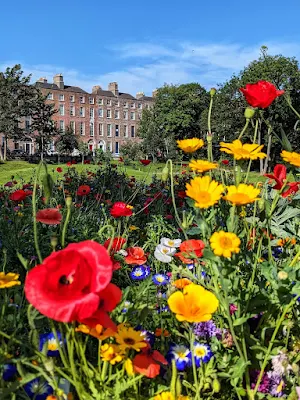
(129, 367)
(164, 396)
(128, 338)
(241, 151)
(202, 165)
(204, 191)
(225, 243)
(190, 145)
(98, 332)
(193, 304)
(8, 280)
(291, 157)
(241, 194)
(133, 228)
(111, 353)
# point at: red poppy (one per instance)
(261, 94)
(136, 256)
(120, 209)
(279, 176)
(148, 362)
(117, 243)
(293, 188)
(73, 284)
(87, 162)
(83, 190)
(121, 159)
(49, 216)
(59, 169)
(73, 162)
(225, 162)
(116, 264)
(18, 195)
(145, 162)
(69, 163)
(181, 194)
(190, 248)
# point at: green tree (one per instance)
(131, 151)
(83, 149)
(67, 142)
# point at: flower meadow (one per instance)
(185, 288)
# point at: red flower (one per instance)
(69, 164)
(120, 209)
(225, 162)
(117, 243)
(148, 362)
(49, 216)
(136, 256)
(83, 190)
(145, 162)
(261, 94)
(18, 195)
(59, 169)
(73, 162)
(121, 159)
(190, 248)
(87, 161)
(98, 196)
(181, 194)
(279, 176)
(73, 284)
(293, 188)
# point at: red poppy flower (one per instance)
(73, 284)
(148, 362)
(279, 176)
(225, 162)
(18, 195)
(59, 169)
(190, 248)
(69, 164)
(121, 159)
(136, 256)
(145, 162)
(117, 243)
(83, 190)
(116, 264)
(261, 94)
(87, 162)
(49, 216)
(120, 209)
(293, 188)
(181, 194)
(73, 162)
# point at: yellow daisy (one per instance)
(164, 396)
(204, 191)
(202, 165)
(291, 157)
(241, 194)
(225, 243)
(111, 353)
(8, 280)
(241, 151)
(128, 338)
(190, 145)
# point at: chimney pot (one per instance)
(113, 87)
(95, 89)
(58, 80)
(139, 95)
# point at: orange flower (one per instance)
(181, 283)
(136, 256)
(97, 332)
(159, 332)
(148, 362)
(190, 248)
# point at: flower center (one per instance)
(171, 243)
(165, 251)
(200, 352)
(244, 152)
(239, 198)
(204, 197)
(66, 280)
(226, 243)
(129, 341)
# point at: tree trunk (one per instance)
(261, 162)
(1, 154)
(5, 149)
(268, 154)
(82, 158)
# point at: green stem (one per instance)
(209, 133)
(35, 232)
(173, 380)
(255, 130)
(244, 129)
(64, 231)
(291, 107)
(192, 340)
(104, 370)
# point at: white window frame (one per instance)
(61, 125)
(117, 114)
(92, 113)
(82, 114)
(125, 105)
(82, 128)
(109, 134)
(132, 116)
(100, 102)
(140, 106)
(132, 105)
(108, 102)
(62, 110)
(72, 111)
(125, 115)
(132, 126)
(82, 99)
(91, 100)
(117, 131)
(108, 113)
(125, 127)
(100, 112)
(92, 129)
(61, 97)
(72, 98)
(100, 127)
(73, 126)
(50, 96)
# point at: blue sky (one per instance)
(144, 44)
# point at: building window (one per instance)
(72, 111)
(139, 115)
(125, 114)
(72, 126)
(132, 131)
(72, 99)
(117, 147)
(108, 102)
(147, 106)
(82, 112)
(82, 128)
(100, 112)
(109, 146)
(61, 110)
(92, 113)
(61, 97)
(100, 101)
(62, 126)
(117, 114)
(117, 130)
(132, 105)
(132, 116)
(108, 113)
(108, 130)
(82, 99)
(100, 129)
(91, 128)
(91, 100)
(125, 104)
(117, 103)
(125, 127)
(50, 96)
(140, 106)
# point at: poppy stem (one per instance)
(64, 231)
(192, 340)
(173, 380)
(244, 129)
(35, 232)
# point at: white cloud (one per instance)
(208, 64)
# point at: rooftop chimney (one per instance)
(58, 80)
(154, 93)
(43, 80)
(96, 89)
(113, 87)
(139, 95)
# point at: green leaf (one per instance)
(48, 187)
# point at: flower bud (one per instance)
(249, 113)
(68, 201)
(282, 275)
(216, 385)
(212, 92)
(53, 241)
(165, 174)
(261, 204)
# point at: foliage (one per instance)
(67, 142)
(131, 151)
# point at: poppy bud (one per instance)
(261, 204)
(53, 242)
(212, 92)
(216, 385)
(249, 113)
(47, 186)
(165, 174)
(68, 201)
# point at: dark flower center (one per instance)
(66, 280)
(129, 341)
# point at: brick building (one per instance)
(103, 118)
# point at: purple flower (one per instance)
(264, 383)
(207, 330)
(276, 384)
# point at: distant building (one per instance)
(103, 119)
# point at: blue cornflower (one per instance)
(202, 353)
(126, 305)
(160, 279)
(149, 336)
(190, 266)
(50, 342)
(140, 272)
(38, 389)
(9, 371)
(182, 356)
(163, 309)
